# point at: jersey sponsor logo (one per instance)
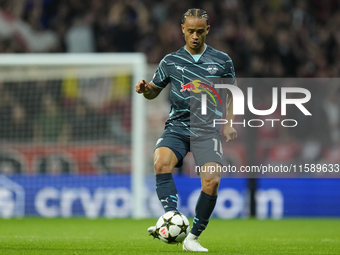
(212, 69)
(189, 86)
(198, 86)
(180, 68)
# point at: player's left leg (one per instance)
(204, 207)
(209, 156)
(207, 199)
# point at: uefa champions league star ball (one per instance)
(172, 227)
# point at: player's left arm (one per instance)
(228, 131)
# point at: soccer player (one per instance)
(187, 70)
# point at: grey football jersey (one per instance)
(189, 80)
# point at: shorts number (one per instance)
(216, 146)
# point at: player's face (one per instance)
(195, 31)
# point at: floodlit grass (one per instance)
(127, 236)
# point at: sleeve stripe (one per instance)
(163, 74)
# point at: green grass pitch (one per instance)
(126, 236)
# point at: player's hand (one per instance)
(229, 132)
(142, 87)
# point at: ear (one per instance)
(182, 26)
(208, 29)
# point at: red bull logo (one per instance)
(198, 86)
(189, 87)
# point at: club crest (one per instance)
(212, 69)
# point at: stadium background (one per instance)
(65, 152)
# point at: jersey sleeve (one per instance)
(230, 71)
(161, 77)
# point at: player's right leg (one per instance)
(170, 150)
(165, 161)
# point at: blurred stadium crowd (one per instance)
(265, 38)
(46, 112)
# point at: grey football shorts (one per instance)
(205, 149)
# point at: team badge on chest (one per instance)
(212, 69)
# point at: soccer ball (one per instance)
(172, 227)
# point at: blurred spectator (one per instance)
(19, 128)
(286, 53)
(5, 111)
(26, 35)
(29, 94)
(51, 123)
(80, 37)
(86, 125)
(10, 164)
(331, 105)
(127, 22)
(55, 165)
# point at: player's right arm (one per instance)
(149, 90)
(159, 81)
